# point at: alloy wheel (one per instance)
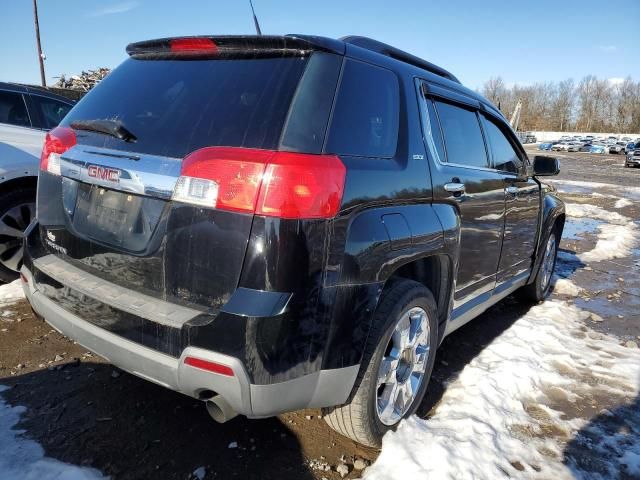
(12, 226)
(548, 263)
(403, 366)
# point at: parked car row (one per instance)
(590, 144)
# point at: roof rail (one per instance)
(393, 52)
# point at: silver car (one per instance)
(26, 114)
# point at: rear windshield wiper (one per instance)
(115, 128)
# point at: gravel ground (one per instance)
(85, 412)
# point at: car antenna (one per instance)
(255, 19)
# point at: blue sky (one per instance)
(522, 41)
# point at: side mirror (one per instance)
(544, 166)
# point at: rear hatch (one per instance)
(120, 192)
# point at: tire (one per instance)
(17, 209)
(404, 302)
(537, 290)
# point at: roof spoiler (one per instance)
(245, 45)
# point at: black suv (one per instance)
(274, 223)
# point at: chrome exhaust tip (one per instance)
(219, 409)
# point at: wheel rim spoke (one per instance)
(13, 262)
(8, 245)
(387, 405)
(9, 231)
(407, 394)
(402, 333)
(387, 370)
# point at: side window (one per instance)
(504, 155)
(13, 110)
(51, 111)
(365, 118)
(462, 135)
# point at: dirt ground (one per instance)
(85, 412)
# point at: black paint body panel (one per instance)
(291, 297)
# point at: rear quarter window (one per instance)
(365, 117)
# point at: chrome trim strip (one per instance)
(139, 173)
(135, 303)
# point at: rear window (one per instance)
(174, 107)
(365, 118)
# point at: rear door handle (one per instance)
(513, 190)
(454, 187)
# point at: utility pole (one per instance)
(40, 57)
(255, 19)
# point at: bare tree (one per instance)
(494, 89)
(625, 96)
(563, 105)
(593, 105)
(587, 107)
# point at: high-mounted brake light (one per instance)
(274, 184)
(209, 366)
(57, 141)
(186, 45)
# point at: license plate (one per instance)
(110, 210)
(110, 219)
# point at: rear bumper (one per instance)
(320, 389)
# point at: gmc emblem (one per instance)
(104, 173)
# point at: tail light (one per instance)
(57, 141)
(264, 182)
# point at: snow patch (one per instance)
(23, 458)
(616, 239)
(11, 293)
(623, 202)
(563, 286)
(512, 410)
(576, 186)
(579, 210)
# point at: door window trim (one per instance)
(41, 123)
(511, 138)
(26, 107)
(424, 97)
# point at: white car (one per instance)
(617, 147)
(26, 114)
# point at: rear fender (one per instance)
(377, 243)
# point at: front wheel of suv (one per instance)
(396, 365)
(537, 290)
(17, 209)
